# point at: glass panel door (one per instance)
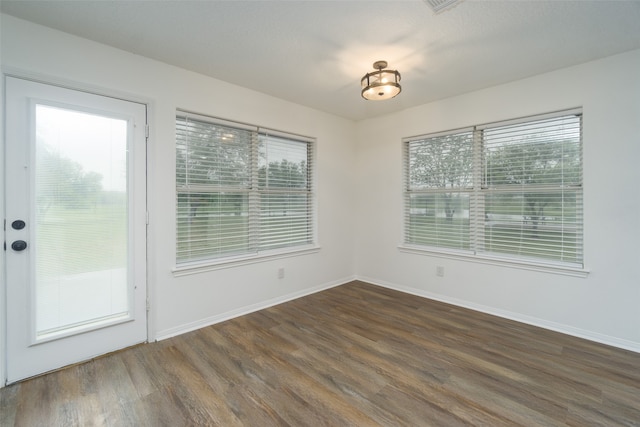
(76, 226)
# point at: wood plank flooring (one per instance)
(355, 355)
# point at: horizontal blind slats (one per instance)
(545, 223)
(284, 220)
(221, 171)
(528, 199)
(441, 161)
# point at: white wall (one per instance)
(604, 306)
(181, 303)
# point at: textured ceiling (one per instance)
(315, 52)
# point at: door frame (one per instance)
(36, 77)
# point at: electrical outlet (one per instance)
(440, 271)
(281, 273)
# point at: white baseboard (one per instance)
(553, 326)
(192, 326)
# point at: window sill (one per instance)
(213, 265)
(554, 268)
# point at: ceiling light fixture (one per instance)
(381, 84)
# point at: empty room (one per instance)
(320, 213)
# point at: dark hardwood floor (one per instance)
(355, 355)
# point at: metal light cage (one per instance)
(380, 84)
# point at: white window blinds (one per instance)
(438, 191)
(285, 197)
(532, 188)
(240, 190)
(510, 189)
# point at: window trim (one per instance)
(188, 268)
(255, 256)
(473, 255)
(521, 264)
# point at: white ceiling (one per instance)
(315, 52)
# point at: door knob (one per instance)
(18, 224)
(19, 245)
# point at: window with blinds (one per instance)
(511, 190)
(241, 190)
(439, 188)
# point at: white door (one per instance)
(75, 226)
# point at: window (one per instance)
(510, 190)
(440, 186)
(242, 191)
